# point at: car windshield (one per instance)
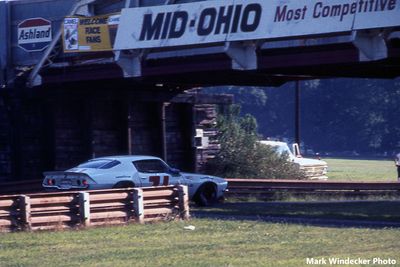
(150, 166)
(99, 164)
(283, 149)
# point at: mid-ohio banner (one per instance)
(239, 20)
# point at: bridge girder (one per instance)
(360, 53)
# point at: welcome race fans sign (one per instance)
(89, 34)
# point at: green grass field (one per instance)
(212, 243)
(361, 170)
(383, 211)
(232, 242)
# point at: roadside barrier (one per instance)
(60, 210)
(271, 188)
(53, 211)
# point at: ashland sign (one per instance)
(239, 20)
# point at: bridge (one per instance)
(85, 78)
(200, 43)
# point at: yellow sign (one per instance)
(89, 34)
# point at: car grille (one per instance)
(314, 171)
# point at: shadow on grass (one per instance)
(365, 214)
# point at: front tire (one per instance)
(206, 195)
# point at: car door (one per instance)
(154, 172)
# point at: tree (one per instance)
(242, 156)
(337, 115)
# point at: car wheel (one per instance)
(206, 195)
(124, 184)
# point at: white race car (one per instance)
(135, 171)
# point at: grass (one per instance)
(361, 170)
(383, 211)
(226, 242)
(212, 243)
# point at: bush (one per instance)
(241, 156)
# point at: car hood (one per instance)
(309, 162)
(197, 177)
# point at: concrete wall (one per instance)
(4, 44)
(57, 128)
(5, 138)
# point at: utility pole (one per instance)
(297, 113)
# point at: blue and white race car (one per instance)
(135, 171)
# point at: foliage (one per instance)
(241, 156)
(337, 115)
(244, 95)
(350, 114)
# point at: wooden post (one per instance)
(138, 205)
(25, 211)
(84, 208)
(183, 202)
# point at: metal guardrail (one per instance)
(269, 188)
(60, 210)
(52, 211)
(250, 186)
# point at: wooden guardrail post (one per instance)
(138, 205)
(84, 208)
(25, 211)
(183, 202)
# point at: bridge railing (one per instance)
(269, 188)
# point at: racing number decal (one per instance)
(166, 180)
(156, 180)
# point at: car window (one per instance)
(150, 166)
(99, 164)
(282, 149)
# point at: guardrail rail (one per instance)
(52, 211)
(268, 188)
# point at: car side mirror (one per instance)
(174, 171)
